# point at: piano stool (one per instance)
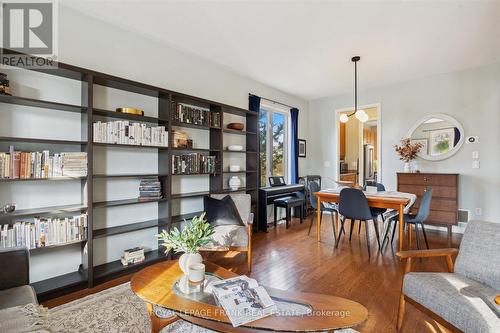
(288, 203)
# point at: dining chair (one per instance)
(412, 219)
(314, 187)
(353, 205)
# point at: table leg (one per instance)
(401, 227)
(157, 324)
(318, 218)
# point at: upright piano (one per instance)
(267, 195)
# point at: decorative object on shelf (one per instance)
(236, 126)
(134, 111)
(133, 256)
(8, 208)
(4, 85)
(235, 147)
(302, 148)
(441, 136)
(359, 114)
(234, 168)
(195, 235)
(234, 182)
(408, 152)
(180, 139)
(497, 299)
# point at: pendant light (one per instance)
(359, 114)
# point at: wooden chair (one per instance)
(462, 300)
(235, 237)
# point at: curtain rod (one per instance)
(272, 101)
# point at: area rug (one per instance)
(114, 310)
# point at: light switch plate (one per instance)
(475, 154)
(475, 164)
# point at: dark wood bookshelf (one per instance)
(88, 274)
(41, 248)
(40, 179)
(240, 172)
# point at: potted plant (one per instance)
(408, 152)
(194, 236)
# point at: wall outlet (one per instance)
(475, 155)
(475, 164)
(478, 211)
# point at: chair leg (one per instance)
(353, 222)
(386, 232)
(394, 230)
(342, 221)
(275, 216)
(401, 311)
(416, 236)
(359, 228)
(301, 214)
(334, 228)
(375, 225)
(287, 216)
(310, 225)
(425, 236)
(367, 237)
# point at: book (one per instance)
(242, 299)
(191, 114)
(124, 132)
(193, 163)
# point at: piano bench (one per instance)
(288, 203)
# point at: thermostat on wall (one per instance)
(472, 139)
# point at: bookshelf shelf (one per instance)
(8, 180)
(118, 115)
(90, 273)
(37, 249)
(41, 104)
(197, 174)
(42, 141)
(121, 229)
(114, 203)
(103, 144)
(53, 210)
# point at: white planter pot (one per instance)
(234, 182)
(188, 259)
(407, 167)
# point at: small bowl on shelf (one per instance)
(234, 168)
(236, 126)
(235, 147)
(134, 111)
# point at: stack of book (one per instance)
(137, 134)
(4, 84)
(40, 165)
(191, 114)
(41, 232)
(194, 163)
(132, 256)
(149, 189)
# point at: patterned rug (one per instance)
(114, 310)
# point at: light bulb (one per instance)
(360, 114)
(344, 118)
(364, 118)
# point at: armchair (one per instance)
(235, 237)
(462, 300)
(14, 278)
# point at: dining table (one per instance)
(399, 202)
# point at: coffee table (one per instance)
(159, 285)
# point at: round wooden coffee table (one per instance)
(156, 285)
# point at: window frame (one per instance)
(272, 108)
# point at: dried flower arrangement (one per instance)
(408, 151)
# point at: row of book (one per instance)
(190, 114)
(150, 188)
(124, 132)
(39, 165)
(194, 163)
(41, 232)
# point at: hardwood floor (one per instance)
(289, 259)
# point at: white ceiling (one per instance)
(304, 47)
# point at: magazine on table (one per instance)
(243, 299)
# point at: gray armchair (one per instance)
(234, 237)
(462, 300)
(14, 278)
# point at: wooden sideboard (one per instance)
(444, 205)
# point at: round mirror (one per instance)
(441, 136)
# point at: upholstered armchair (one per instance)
(235, 237)
(462, 300)
(14, 278)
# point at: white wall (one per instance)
(471, 96)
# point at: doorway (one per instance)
(358, 157)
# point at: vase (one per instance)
(407, 167)
(188, 259)
(234, 182)
(415, 167)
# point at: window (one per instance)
(274, 142)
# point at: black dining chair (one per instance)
(314, 187)
(353, 205)
(414, 219)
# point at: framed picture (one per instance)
(302, 148)
(425, 145)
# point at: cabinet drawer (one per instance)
(444, 205)
(437, 191)
(427, 179)
(441, 218)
